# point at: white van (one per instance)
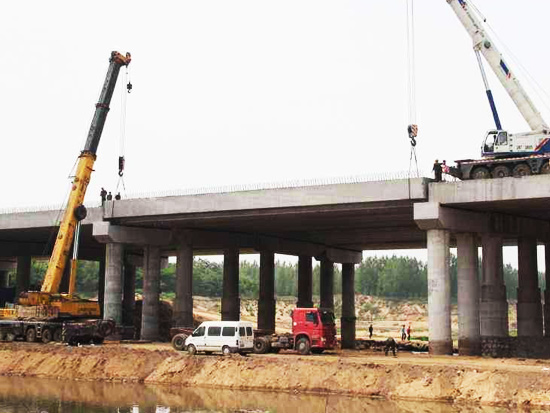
(225, 336)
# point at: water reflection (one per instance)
(26, 395)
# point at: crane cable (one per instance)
(122, 140)
(412, 128)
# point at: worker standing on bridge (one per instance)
(103, 195)
(437, 171)
(109, 196)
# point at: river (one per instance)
(29, 395)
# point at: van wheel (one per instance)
(178, 342)
(30, 336)
(46, 335)
(226, 350)
(191, 349)
(303, 346)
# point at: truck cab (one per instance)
(313, 329)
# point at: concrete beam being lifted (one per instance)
(105, 232)
(432, 215)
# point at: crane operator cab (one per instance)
(496, 142)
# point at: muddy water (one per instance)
(51, 396)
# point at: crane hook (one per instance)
(129, 87)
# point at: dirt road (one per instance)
(405, 377)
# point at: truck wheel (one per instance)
(275, 350)
(261, 345)
(545, 169)
(520, 170)
(30, 335)
(226, 350)
(501, 171)
(46, 335)
(57, 335)
(191, 349)
(303, 346)
(480, 173)
(178, 342)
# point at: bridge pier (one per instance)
(23, 277)
(439, 292)
(4, 279)
(183, 303)
(101, 285)
(151, 294)
(547, 291)
(305, 281)
(529, 299)
(493, 305)
(231, 303)
(266, 302)
(348, 306)
(113, 282)
(129, 294)
(469, 337)
(327, 284)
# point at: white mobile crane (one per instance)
(504, 154)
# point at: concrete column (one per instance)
(183, 304)
(231, 303)
(101, 285)
(469, 337)
(4, 279)
(327, 284)
(305, 282)
(23, 278)
(348, 306)
(547, 291)
(114, 255)
(439, 292)
(266, 302)
(493, 310)
(151, 294)
(529, 300)
(129, 294)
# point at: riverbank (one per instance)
(406, 377)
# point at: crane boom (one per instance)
(75, 210)
(484, 44)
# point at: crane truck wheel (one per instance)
(178, 341)
(57, 335)
(501, 171)
(303, 346)
(480, 173)
(545, 169)
(46, 335)
(261, 345)
(30, 335)
(520, 170)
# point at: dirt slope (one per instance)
(407, 377)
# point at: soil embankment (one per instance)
(410, 377)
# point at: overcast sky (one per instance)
(233, 92)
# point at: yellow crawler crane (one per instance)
(49, 304)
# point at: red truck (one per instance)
(313, 330)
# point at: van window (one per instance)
(241, 331)
(248, 331)
(214, 331)
(228, 331)
(199, 332)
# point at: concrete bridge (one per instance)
(332, 223)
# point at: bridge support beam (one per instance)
(183, 304)
(439, 292)
(529, 300)
(305, 282)
(129, 294)
(327, 284)
(348, 306)
(113, 282)
(469, 340)
(266, 302)
(231, 303)
(494, 305)
(151, 294)
(23, 278)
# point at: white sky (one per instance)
(233, 92)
